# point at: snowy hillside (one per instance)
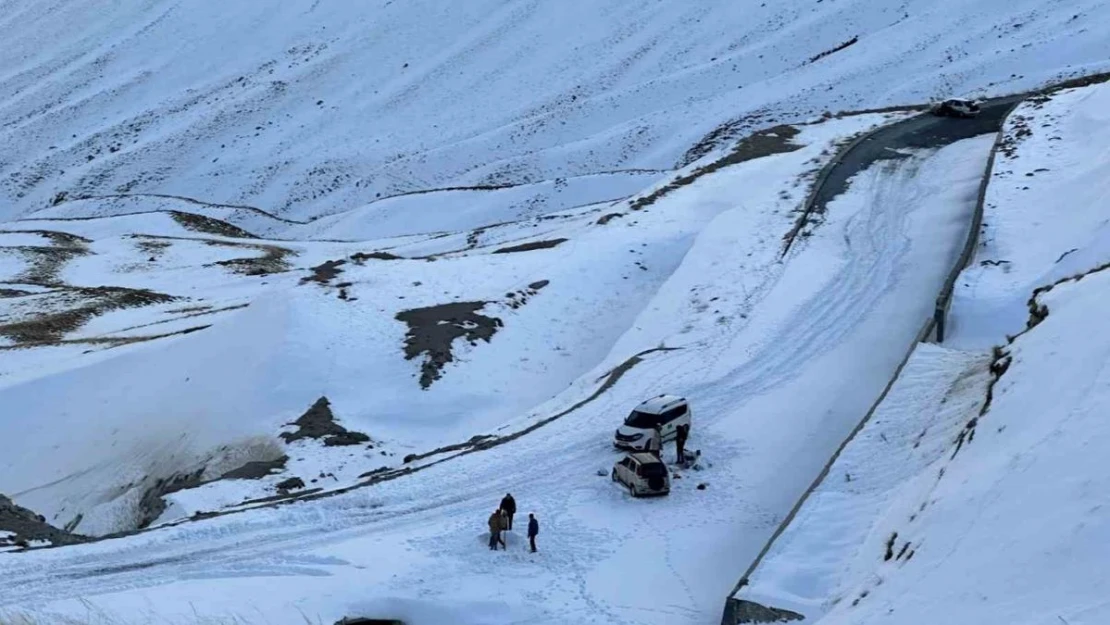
(292, 294)
(976, 494)
(312, 108)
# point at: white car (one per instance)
(666, 411)
(956, 107)
(643, 474)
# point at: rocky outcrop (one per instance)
(20, 527)
(318, 422)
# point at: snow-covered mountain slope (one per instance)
(976, 493)
(439, 340)
(312, 108)
(779, 356)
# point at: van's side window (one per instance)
(674, 413)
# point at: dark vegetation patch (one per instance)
(108, 342)
(362, 257)
(46, 261)
(274, 259)
(58, 238)
(318, 422)
(604, 219)
(6, 293)
(325, 272)
(208, 225)
(432, 330)
(28, 526)
(50, 328)
(528, 247)
(775, 140)
(119, 196)
(838, 48)
(153, 249)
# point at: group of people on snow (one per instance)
(502, 521)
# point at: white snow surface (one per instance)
(941, 511)
(312, 108)
(780, 356)
(1045, 213)
(432, 136)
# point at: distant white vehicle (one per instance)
(643, 474)
(666, 411)
(956, 107)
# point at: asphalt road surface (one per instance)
(920, 132)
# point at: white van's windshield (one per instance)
(642, 420)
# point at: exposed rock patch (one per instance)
(752, 612)
(362, 257)
(318, 422)
(256, 470)
(19, 527)
(433, 329)
(528, 247)
(152, 504)
(325, 272)
(293, 483)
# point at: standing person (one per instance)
(681, 434)
(508, 504)
(655, 442)
(494, 530)
(533, 530)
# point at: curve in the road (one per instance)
(925, 131)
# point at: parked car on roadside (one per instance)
(643, 474)
(666, 411)
(956, 107)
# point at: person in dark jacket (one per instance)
(682, 432)
(508, 504)
(495, 530)
(533, 529)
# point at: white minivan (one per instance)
(666, 411)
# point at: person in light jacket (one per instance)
(655, 442)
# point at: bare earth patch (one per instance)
(528, 247)
(434, 328)
(318, 422)
(81, 304)
(208, 225)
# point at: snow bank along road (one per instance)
(777, 387)
(972, 495)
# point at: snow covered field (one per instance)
(761, 343)
(944, 508)
(483, 233)
(315, 108)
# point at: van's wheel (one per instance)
(613, 475)
(632, 490)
